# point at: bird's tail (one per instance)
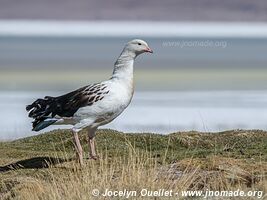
(42, 111)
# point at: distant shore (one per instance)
(172, 10)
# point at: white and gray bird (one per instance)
(93, 105)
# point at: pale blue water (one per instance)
(234, 102)
(159, 112)
(95, 52)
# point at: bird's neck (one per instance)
(123, 67)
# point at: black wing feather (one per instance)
(65, 105)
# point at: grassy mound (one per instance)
(43, 166)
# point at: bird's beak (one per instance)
(148, 50)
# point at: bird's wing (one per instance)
(66, 105)
(86, 96)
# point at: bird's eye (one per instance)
(139, 44)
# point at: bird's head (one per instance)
(137, 47)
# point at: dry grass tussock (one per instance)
(135, 170)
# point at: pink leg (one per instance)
(78, 147)
(91, 143)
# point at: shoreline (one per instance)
(56, 28)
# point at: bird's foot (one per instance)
(79, 161)
(93, 157)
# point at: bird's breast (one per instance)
(121, 95)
